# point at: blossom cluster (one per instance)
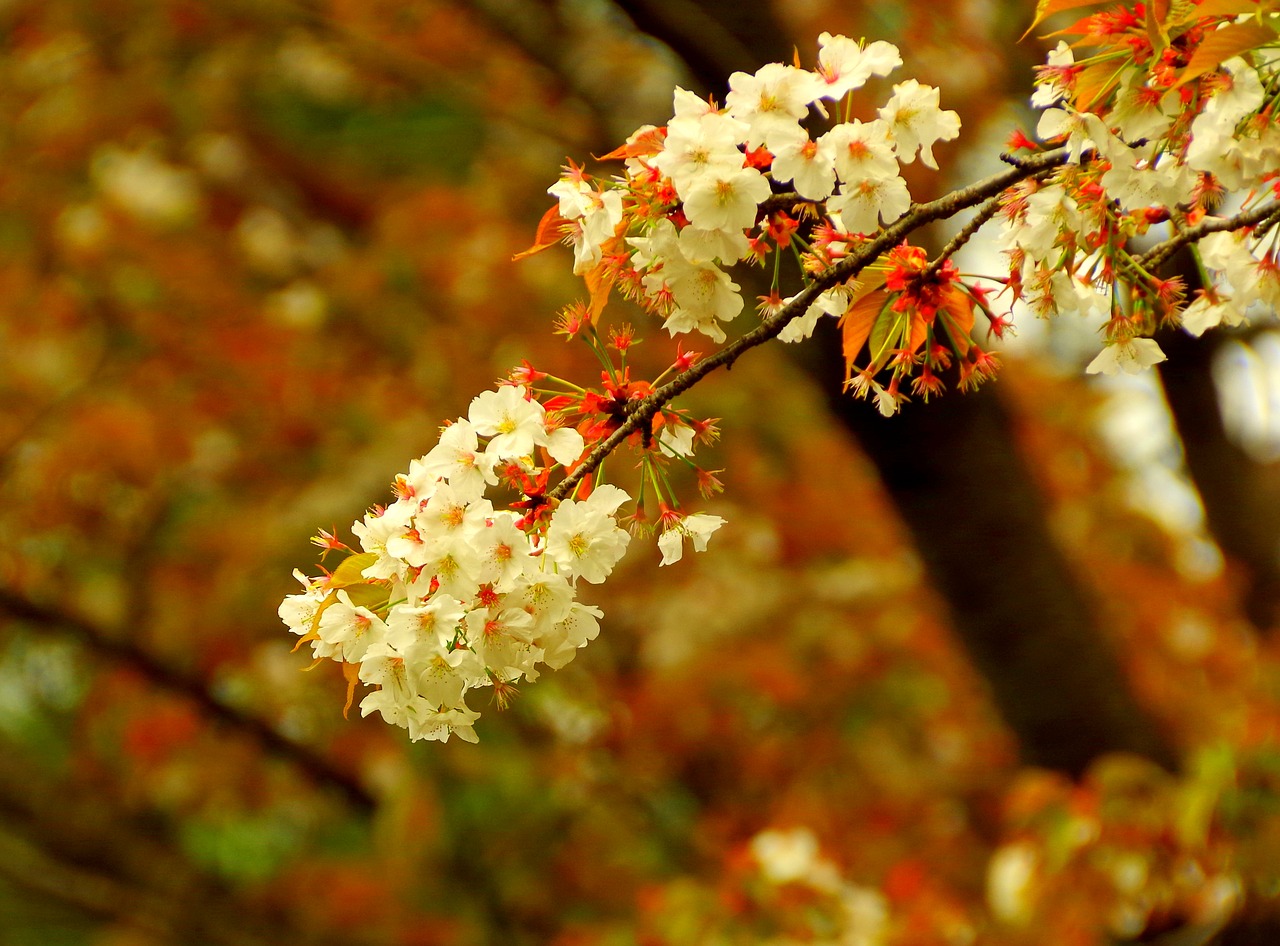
(450, 593)
(1158, 142)
(1151, 136)
(771, 170)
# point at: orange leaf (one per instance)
(855, 325)
(551, 229)
(919, 332)
(1221, 45)
(1094, 82)
(1225, 8)
(1047, 8)
(599, 283)
(644, 145)
(1157, 14)
(957, 318)
(352, 674)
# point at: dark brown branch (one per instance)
(985, 213)
(70, 841)
(1265, 216)
(848, 268)
(315, 766)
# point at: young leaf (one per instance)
(1225, 8)
(1221, 45)
(349, 572)
(551, 229)
(886, 334)
(918, 330)
(599, 282)
(351, 672)
(1157, 14)
(1047, 8)
(957, 318)
(1094, 83)
(855, 325)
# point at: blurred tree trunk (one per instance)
(953, 472)
(1241, 504)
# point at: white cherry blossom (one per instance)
(844, 65)
(726, 200)
(696, 528)
(1132, 356)
(585, 541)
(772, 101)
(917, 123)
(809, 165)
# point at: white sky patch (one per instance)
(1134, 421)
(1248, 380)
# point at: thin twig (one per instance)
(985, 213)
(1265, 216)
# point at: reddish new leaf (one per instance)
(351, 673)
(1094, 84)
(551, 230)
(599, 282)
(957, 318)
(643, 146)
(1221, 45)
(1225, 8)
(917, 332)
(1047, 8)
(856, 323)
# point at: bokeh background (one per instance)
(1001, 670)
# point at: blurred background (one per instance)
(1001, 670)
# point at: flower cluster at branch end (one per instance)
(771, 175)
(450, 593)
(453, 591)
(1169, 117)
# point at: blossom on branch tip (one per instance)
(697, 528)
(454, 589)
(844, 65)
(771, 102)
(915, 122)
(1132, 356)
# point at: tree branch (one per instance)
(315, 766)
(643, 411)
(1265, 216)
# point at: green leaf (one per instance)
(349, 572)
(370, 595)
(886, 334)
